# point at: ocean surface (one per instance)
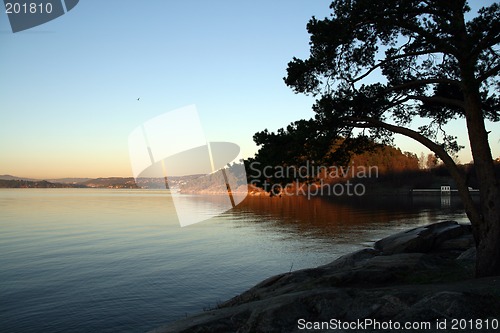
(99, 260)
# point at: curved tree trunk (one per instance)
(485, 219)
(487, 232)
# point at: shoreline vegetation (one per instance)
(386, 182)
(422, 277)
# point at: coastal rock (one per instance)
(408, 277)
(469, 255)
(462, 243)
(400, 303)
(352, 259)
(422, 239)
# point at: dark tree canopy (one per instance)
(416, 48)
(374, 66)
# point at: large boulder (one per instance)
(422, 239)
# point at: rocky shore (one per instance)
(422, 277)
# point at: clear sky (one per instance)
(69, 88)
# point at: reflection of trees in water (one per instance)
(336, 216)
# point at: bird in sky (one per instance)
(138, 98)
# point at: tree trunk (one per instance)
(487, 232)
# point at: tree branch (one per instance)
(439, 100)
(433, 39)
(470, 208)
(492, 71)
(491, 39)
(388, 60)
(419, 83)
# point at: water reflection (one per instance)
(335, 217)
(84, 260)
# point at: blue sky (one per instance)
(69, 88)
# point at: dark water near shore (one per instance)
(80, 260)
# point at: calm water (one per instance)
(81, 260)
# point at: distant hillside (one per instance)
(8, 181)
(68, 180)
(9, 177)
(161, 183)
(111, 182)
(52, 180)
(215, 183)
(145, 183)
(16, 183)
